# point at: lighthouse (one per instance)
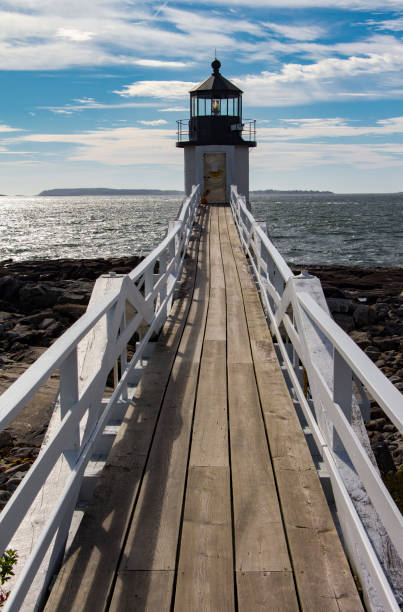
(216, 141)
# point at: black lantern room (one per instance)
(216, 114)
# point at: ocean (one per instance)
(348, 229)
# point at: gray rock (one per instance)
(39, 295)
(385, 344)
(13, 471)
(4, 496)
(364, 315)
(372, 352)
(13, 483)
(9, 286)
(45, 323)
(72, 298)
(339, 305)
(345, 321)
(361, 338)
(5, 439)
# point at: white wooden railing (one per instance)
(141, 303)
(331, 379)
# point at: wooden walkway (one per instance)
(210, 500)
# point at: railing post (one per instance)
(342, 393)
(258, 247)
(163, 290)
(68, 398)
(123, 356)
(173, 256)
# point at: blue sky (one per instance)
(91, 90)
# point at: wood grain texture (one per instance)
(89, 569)
(260, 543)
(266, 592)
(143, 592)
(214, 394)
(318, 568)
(205, 574)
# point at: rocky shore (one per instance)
(40, 299)
(368, 304)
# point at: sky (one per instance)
(91, 90)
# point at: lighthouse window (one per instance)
(202, 107)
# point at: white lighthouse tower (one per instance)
(216, 154)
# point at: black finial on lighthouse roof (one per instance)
(216, 65)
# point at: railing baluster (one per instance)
(68, 398)
(342, 393)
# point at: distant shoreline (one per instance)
(102, 191)
(161, 192)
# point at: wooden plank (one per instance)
(260, 543)
(205, 572)
(154, 532)
(205, 578)
(145, 591)
(153, 536)
(210, 430)
(266, 592)
(322, 573)
(216, 325)
(216, 269)
(259, 538)
(210, 436)
(89, 569)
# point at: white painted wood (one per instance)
(41, 509)
(331, 360)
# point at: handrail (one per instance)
(150, 294)
(309, 340)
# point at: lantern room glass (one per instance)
(216, 107)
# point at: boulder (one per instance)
(361, 338)
(385, 344)
(5, 439)
(345, 321)
(340, 305)
(364, 315)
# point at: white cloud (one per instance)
(157, 89)
(296, 32)
(204, 22)
(7, 128)
(301, 129)
(353, 5)
(393, 25)
(51, 35)
(153, 122)
(297, 156)
(121, 146)
(326, 79)
(148, 63)
(88, 104)
(61, 111)
(174, 109)
(278, 148)
(75, 35)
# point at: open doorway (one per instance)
(215, 180)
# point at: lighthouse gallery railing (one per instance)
(150, 297)
(328, 373)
